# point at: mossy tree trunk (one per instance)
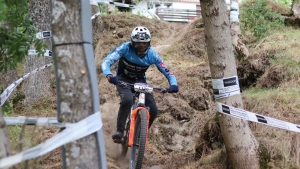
(37, 86)
(74, 97)
(241, 145)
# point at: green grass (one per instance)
(266, 94)
(274, 101)
(14, 132)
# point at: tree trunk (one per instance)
(38, 85)
(241, 145)
(74, 98)
(95, 23)
(240, 48)
(6, 79)
(4, 138)
(296, 8)
(293, 19)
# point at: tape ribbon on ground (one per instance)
(228, 87)
(73, 132)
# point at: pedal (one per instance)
(117, 141)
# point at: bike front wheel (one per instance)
(139, 143)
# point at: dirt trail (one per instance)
(174, 33)
(110, 108)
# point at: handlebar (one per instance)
(143, 87)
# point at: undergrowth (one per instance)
(258, 18)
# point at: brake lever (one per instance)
(122, 83)
(164, 90)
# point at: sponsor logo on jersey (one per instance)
(162, 65)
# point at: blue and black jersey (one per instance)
(133, 66)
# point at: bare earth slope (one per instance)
(180, 115)
(185, 134)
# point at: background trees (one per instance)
(17, 34)
(38, 85)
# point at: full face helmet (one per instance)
(140, 40)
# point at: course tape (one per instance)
(73, 132)
(48, 53)
(225, 87)
(38, 121)
(96, 15)
(234, 12)
(258, 118)
(6, 93)
(43, 35)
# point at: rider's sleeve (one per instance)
(111, 59)
(162, 67)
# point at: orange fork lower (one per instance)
(132, 126)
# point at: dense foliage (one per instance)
(17, 33)
(2, 7)
(258, 18)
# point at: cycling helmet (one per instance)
(140, 40)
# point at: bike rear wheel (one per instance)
(138, 148)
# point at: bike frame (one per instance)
(142, 89)
(137, 138)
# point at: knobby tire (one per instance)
(138, 148)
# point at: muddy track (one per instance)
(173, 34)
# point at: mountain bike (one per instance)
(137, 124)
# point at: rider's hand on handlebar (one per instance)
(173, 89)
(112, 79)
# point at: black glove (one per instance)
(173, 89)
(112, 79)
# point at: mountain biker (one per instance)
(134, 58)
